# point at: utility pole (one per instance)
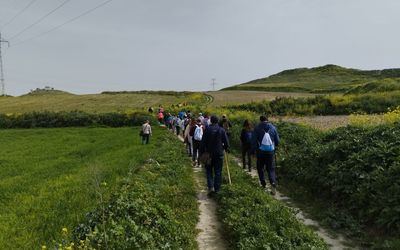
(3, 87)
(213, 83)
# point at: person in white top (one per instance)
(197, 137)
(146, 132)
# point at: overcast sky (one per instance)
(182, 44)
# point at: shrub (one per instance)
(355, 168)
(72, 119)
(254, 220)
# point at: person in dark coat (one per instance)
(245, 141)
(215, 142)
(265, 158)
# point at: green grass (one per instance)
(325, 79)
(97, 103)
(154, 208)
(46, 177)
(252, 219)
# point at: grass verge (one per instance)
(155, 207)
(254, 220)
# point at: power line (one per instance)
(65, 23)
(40, 19)
(18, 14)
(2, 81)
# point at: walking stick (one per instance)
(227, 168)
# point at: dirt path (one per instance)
(210, 235)
(335, 243)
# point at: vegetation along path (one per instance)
(210, 235)
(336, 243)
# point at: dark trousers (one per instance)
(246, 153)
(265, 161)
(189, 148)
(178, 130)
(196, 149)
(214, 173)
(145, 139)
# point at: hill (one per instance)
(325, 79)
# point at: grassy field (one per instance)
(47, 178)
(229, 97)
(95, 103)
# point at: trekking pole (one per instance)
(227, 168)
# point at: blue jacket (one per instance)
(259, 132)
(214, 141)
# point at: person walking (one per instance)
(178, 125)
(187, 138)
(160, 118)
(226, 125)
(245, 141)
(146, 132)
(206, 121)
(265, 140)
(214, 143)
(197, 137)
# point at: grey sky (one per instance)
(182, 44)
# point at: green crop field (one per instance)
(97, 103)
(47, 178)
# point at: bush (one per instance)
(72, 119)
(370, 103)
(356, 169)
(254, 220)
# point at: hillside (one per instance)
(97, 103)
(325, 79)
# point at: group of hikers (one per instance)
(207, 141)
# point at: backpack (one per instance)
(198, 133)
(267, 145)
(191, 131)
(249, 135)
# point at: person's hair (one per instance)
(247, 124)
(214, 119)
(263, 118)
(198, 120)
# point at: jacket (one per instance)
(146, 128)
(214, 141)
(259, 132)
